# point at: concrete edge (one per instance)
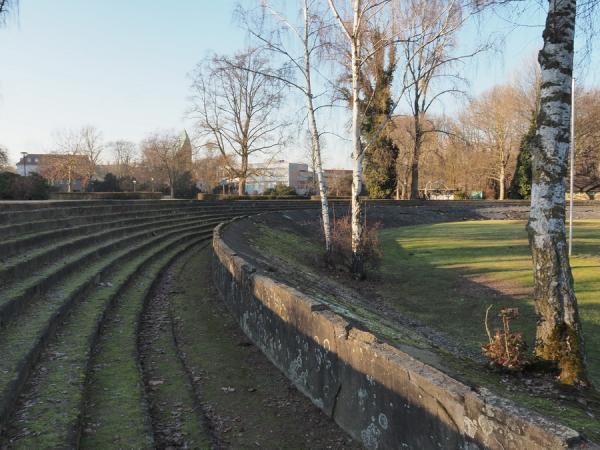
(381, 396)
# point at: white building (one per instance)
(29, 163)
(269, 175)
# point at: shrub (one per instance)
(184, 186)
(505, 349)
(17, 187)
(341, 243)
(109, 184)
(280, 189)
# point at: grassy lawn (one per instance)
(447, 274)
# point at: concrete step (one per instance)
(53, 401)
(22, 339)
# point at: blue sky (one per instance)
(123, 67)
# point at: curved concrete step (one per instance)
(16, 295)
(17, 267)
(22, 340)
(52, 404)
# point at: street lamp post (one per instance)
(572, 164)
(152, 183)
(24, 163)
(134, 183)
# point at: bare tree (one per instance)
(299, 69)
(559, 335)
(124, 154)
(237, 109)
(164, 157)
(210, 170)
(587, 139)
(67, 161)
(498, 124)
(430, 28)
(91, 147)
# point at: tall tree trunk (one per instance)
(243, 174)
(358, 269)
(501, 181)
(414, 170)
(559, 335)
(316, 141)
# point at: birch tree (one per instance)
(299, 72)
(354, 27)
(236, 106)
(559, 335)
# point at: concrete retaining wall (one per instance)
(381, 396)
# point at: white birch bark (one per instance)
(357, 151)
(355, 39)
(316, 139)
(559, 336)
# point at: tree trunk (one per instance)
(501, 179)
(69, 181)
(559, 336)
(243, 173)
(414, 183)
(358, 269)
(316, 141)
(414, 169)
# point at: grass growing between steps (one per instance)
(446, 274)
(177, 417)
(248, 402)
(116, 410)
(49, 413)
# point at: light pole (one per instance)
(134, 183)
(152, 183)
(572, 164)
(24, 163)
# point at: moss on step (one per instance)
(50, 410)
(249, 402)
(20, 339)
(116, 412)
(176, 415)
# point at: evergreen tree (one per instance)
(520, 186)
(376, 107)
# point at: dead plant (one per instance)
(506, 349)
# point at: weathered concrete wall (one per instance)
(380, 395)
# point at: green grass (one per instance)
(443, 275)
(435, 273)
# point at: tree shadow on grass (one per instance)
(452, 301)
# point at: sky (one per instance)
(123, 67)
